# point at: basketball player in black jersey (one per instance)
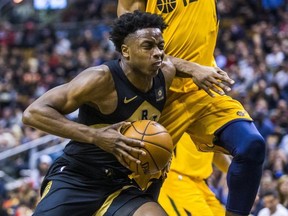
(91, 178)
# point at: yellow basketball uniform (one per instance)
(191, 35)
(184, 191)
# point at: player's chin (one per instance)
(154, 70)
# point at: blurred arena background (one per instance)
(43, 43)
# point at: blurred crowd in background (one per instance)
(42, 49)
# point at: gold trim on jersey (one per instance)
(109, 201)
(47, 189)
(99, 125)
(145, 180)
(144, 111)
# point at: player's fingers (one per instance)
(128, 158)
(217, 85)
(212, 85)
(135, 150)
(223, 86)
(132, 142)
(206, 89)
(133, 146)
(120, 126)
(224, 76)
(124, 162)
(202, 85)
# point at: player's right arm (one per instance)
(125, 6)
(48, 112)
(93, 86)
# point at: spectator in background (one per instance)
(275, 58)
(217, 183)
(3, 211)
(272, 207)
(261, 118)
(281, 76)
(39, 173)
(284, 144)
(278, 162)
(276, 159)
(282, 188)
(3, 192)
(267, 182)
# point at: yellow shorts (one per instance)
(200, 116)
(180, 195)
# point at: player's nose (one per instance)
(158, 53)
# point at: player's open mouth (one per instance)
(158, 63)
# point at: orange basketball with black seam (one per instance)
(158, 146)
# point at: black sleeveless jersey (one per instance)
(132, 105)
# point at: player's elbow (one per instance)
(28, 115)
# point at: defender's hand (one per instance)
(212, 79)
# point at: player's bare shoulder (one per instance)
(94, 82)
(98, 74)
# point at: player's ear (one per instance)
(125, 50)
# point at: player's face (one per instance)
(145, 51)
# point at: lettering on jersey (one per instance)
(154, 117)
(145, 116)
(145, 167)
(159, 94)
(167, 6)
(145, 111)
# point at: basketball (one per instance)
(158, 146)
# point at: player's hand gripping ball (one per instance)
(158, 146)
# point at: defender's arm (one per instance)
(125, 6)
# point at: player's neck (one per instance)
(141, 82)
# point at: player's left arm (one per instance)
(205, 77)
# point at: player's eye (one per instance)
(147, 46)
(161, 47)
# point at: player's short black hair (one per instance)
(131, 22)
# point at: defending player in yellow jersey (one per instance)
(215, 122)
